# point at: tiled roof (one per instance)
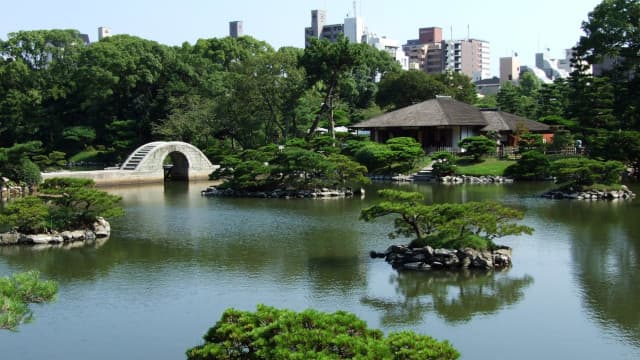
(448, 112)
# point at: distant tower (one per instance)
(103, 32)
(235, 29)
(509, 69)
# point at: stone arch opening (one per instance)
(176, 167)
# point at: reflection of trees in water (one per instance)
(454, 296)
(605, 246)
(328, 258)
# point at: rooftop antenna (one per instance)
(468, 32)
(355, 10)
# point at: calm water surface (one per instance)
(177, 260)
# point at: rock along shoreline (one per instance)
(623, 194)
(322, 193)
(100, 229)
(401, 257)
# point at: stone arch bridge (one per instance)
(152, 162)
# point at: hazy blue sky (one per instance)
(522, 26)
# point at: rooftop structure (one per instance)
(235, 29)
(103, 32)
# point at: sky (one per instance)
(524, 27)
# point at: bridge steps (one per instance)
(134, 160)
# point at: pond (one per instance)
(177, 260)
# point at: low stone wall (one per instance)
(100, 229)
(623, 194)
(466, 179)
(283, 194)
(423, 259)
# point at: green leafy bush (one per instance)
(270, 333)
(444, 163)
(406, 151)
(17, 292)
(62, 204)
(533, 165)
(374, 156)
(581, 172)
(27, 215)
(477, 146)
(471, 224)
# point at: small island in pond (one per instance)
(63, 211)
(446, 236)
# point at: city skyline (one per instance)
(525, 29)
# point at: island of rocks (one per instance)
(100, 229)
(283, 193)
(623, 194)
(402, 257)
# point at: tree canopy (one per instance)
(270, 333)
(17, 292)
(471, 224)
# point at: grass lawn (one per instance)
(489, 166)
(86, 155)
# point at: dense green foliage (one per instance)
(471, 224)
(123, 91)
(443, 163)
(62, 204)
(488, 166)
(398, 154)
(532, 165)
(17, 292)
(401, 89)
(477, 146)
(582, 172)
(16, 163)
(298, 165)
(270, 333)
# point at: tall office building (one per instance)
(103, 32)
(235, 29)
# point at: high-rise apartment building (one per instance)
(432, 54)
(425, 53)
(470, 57)
(235, 29)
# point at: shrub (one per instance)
(29, 215)
(583, 172)
(27, 172)
(472, 224)
(477, 146)
(533, 165)
(444, 163)
(406, 151)
(17, 292)
(270, 333)
(374, 156)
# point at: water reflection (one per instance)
(454, 296)
(605, 250)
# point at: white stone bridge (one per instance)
(152, 162)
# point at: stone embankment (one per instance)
(426, 258)
(8, 190)
(623, 194)
(100, 229)
(462, 179)
(466, 179)
(283, 194)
